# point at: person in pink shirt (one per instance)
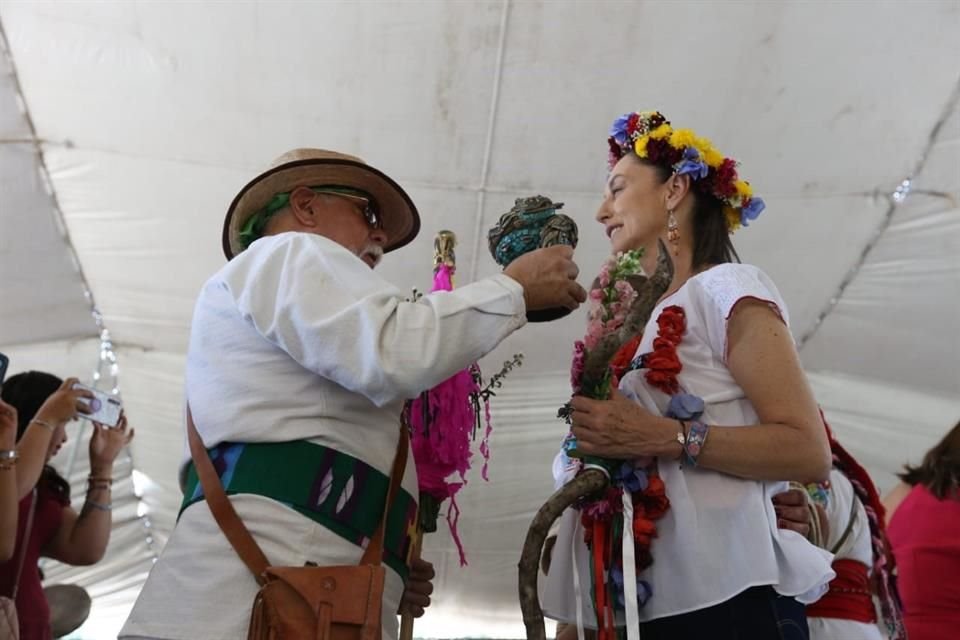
(923, 515)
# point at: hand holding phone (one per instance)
(104, 408)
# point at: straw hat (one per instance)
(316, 168)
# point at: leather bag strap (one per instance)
(374, 552)
(223, 512)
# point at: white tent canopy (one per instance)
(127, 127)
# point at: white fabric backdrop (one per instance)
(149, 116)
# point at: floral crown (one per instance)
(650, 136)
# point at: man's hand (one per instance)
(793, 514)
(416, 595)
(549, 278)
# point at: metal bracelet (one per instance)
(8, 455)
(100, 506)
(43, 423)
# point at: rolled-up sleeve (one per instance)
(338, 318)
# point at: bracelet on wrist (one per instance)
(8, 459)
(44, 423)
(695, 440)
(99, 505)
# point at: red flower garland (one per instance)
(650, 504)
(663, 364)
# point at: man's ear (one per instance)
(301, 200)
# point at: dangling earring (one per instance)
(673, 232)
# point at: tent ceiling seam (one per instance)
(106, 347)
(896, 198)
(35, 141)
(488, 146)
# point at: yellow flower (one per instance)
(640, 146)
(711, 156)
(683, 138)
(733, 218)
(661, 132)
(744, 190)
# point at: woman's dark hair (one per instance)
(711, 244)
(27, 392)
(940, 470)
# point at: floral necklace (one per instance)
(604, 519)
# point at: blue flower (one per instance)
(692, 164)
(618, 131)
(631, 478)
(644, 590)
(616, 576)
(751, 210)
(685, 406)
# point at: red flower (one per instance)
(660, 152)
(672, 323)
(663, 364)
(644, 531)
(726, 176)
(632, 123)
(655, 499)
(624, 356)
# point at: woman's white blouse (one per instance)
(720, 534)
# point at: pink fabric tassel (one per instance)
(441, 447)
(453, 518)
(443, 279)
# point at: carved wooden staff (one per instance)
(590, 481)
(444, 254)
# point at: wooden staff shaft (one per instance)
(406, 619)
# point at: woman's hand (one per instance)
(65, 403)
(8, 426)
(621, 429)
(106, 443)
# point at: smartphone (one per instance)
(109, 412)
(4, 361)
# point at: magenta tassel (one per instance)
(441, 448)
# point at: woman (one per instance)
(720, 566)
(8, 480)
(45, 404)
(924, 530)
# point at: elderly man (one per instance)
(296, 340)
